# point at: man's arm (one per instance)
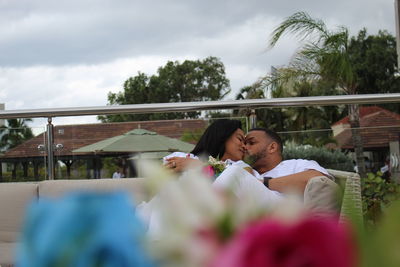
(295, 182)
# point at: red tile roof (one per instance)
(76, 136)
(368, 111)
(378, 127)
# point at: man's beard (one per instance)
(252, 159)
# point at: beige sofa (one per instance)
(14, 198)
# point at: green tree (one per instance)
(192, 80)
(374, 59)
(14, 133)
(324, 56)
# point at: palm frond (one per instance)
(338, 40)
(301, 25)
(324, 56)
(305, 62)
(286, 78)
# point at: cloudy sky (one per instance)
(71, 53)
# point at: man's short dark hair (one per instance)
(271, 134)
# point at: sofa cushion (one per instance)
(7, 251)
(321, 195)
(56, 188)
(14, 198)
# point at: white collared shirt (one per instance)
(292, 166)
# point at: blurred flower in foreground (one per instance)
(184, 214)
(312, 241)
(83, 229)
(198, 225)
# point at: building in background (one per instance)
(28, 158)
(380, 131)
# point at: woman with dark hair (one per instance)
(223, 140)
(213, 141)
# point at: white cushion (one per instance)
(56, 188)
(7, 251)
(14, 198)
(321, 195)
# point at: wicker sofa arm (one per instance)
(352, 201)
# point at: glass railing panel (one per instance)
(22, 155)
(99, 150)
(319, 145)
(379, 130)
(314, 126)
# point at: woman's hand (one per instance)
(178, 164)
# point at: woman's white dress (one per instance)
(235, 178)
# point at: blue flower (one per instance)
(83, 229)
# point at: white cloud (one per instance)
(69, 86)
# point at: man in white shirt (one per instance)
(118, 174)
(275, 176)
(264, 151)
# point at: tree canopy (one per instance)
(374, 59)
(15, 133)
(192, 80)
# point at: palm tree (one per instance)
(324, 56)
(299, 119)
(15, 133)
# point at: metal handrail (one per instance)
(187, 107)
(203, 105)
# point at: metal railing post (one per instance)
(253, 119)
(50, 149)
(397, 17)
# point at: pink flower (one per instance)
(313, 242)
(208, 171)
(203, 247)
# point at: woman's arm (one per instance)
(179, 164)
